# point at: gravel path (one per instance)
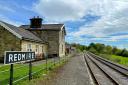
(73, 73)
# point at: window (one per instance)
(42, 49)
(29, 47)
(37, 48)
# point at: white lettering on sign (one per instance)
(32, 55)
(10, 57)
(19, 57)
(23, 56)
(14, 57)
(29, 55)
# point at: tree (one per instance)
(93, 50)
(91, 45)
(100, 47)
(124, 53)
(114, 50)
(108, 49)
(79, 46)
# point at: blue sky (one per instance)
(86, 21)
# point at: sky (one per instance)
(86, 21)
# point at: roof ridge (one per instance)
(20, 32)
(3, 24)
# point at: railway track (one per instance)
(104, 72)
(122, 70)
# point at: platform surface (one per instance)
(73, 73)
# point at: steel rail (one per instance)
(92, 74)
(107, 75)
(108, 63)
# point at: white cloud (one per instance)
(119, 37)
(61, 10)
(114, 16)
(114, 19)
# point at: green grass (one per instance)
(41, 76)
(117, 59)
(21, 70)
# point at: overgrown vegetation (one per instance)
(98, 48)
(106, 51)
(115, 58)
(111, 53)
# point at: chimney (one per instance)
(36, 22)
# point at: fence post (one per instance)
(11, 75)
(11, 72)
(30, 70)
(46, 63)
(54, 61)
(59, 59)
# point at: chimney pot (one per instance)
(36, 22)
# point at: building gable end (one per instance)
(10, 30)
(63, 28)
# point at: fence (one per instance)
(21, 72)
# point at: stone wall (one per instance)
(55, 39)
(8, 41)
(53, 42)
(42, 47)
(52, 37)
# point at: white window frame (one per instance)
(37, 49)
(29, 47)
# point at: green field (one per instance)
(117, 59)
(21, 70)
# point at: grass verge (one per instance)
(21, 70)
(44, 75)
(117, 59)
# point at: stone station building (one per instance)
(44, 39)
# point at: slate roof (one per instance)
(55, 27)
(21, 33)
